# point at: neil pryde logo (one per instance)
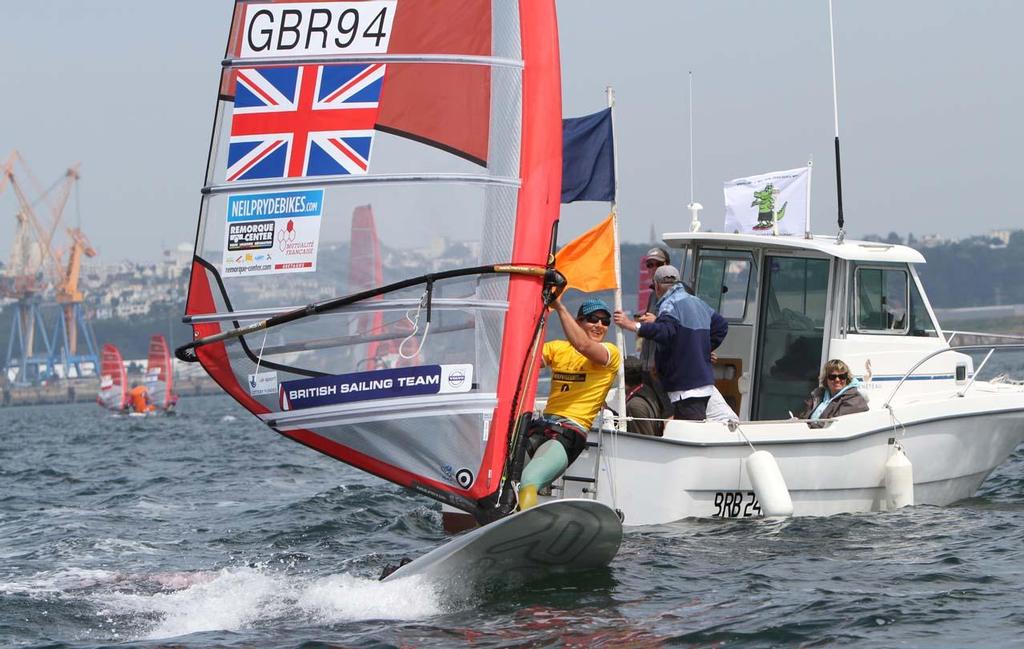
(456, 378)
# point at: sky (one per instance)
(930, 96)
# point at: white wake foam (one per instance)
(235, 599)
(342, 598)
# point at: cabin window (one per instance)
(723, 281)
(882, 300)
(920, 321)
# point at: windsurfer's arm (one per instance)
(581, 342)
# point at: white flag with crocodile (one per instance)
(755, 205)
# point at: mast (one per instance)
(620, 338)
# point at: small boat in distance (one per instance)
(113, 394)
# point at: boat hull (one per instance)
(698, 468)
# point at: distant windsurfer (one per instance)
(582, 371)
(138, 399)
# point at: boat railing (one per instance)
(982, 334)
(991, 349)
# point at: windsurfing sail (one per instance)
(159, 373)
(113, 394)
(445, 116)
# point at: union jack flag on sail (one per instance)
(310, 120)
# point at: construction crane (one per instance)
(35, 266)
(68, 296)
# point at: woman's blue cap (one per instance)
(592, 305)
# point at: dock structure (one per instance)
(85, 390)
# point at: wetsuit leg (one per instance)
(548, 463)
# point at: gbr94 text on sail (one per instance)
(316, 28)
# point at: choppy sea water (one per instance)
(209, 530)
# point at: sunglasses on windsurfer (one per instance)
(594, 319)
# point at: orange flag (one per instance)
(588, 262)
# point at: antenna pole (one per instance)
(690, 95)
(620, 339)
(694, 207)
(835, 107)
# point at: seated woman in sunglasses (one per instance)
(583, 369)
(836, 396)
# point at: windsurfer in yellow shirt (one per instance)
(583, 369)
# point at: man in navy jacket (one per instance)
(686, 330)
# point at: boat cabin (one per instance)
(793, 303)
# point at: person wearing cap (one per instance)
(583, 368)
(655, 258)
(686, 330)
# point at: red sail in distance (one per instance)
(113, 393)
(365, 272)
(643, 288)
(159, 372)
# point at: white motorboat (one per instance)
(793, 303)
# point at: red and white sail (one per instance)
(450, 112)
(159, 373)
(366, 272)
(644, 285)
(113, 393)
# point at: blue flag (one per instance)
(588, 160)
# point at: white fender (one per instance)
(768, 484)
(899, 479)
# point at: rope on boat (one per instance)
(735, 426)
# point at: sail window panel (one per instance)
(368, 340)
(419, 230)
(437, 447)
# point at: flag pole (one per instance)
(807, 217)
(835, 110)
(620, 340)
